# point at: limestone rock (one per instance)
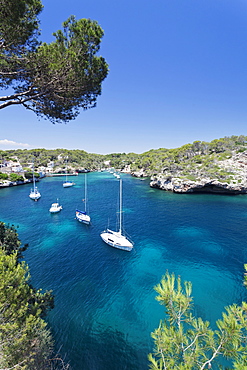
(204, 185)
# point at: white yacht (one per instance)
(117, 239)
(55, 207)
(82, 216)
(34, 193)
(67, 183)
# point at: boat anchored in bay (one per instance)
(34, 193)
(67, 183)
(55, 207)
(117, 239)
(82, 216)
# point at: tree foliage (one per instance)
(16, 177)
(9, 240)
(54, 80)
(184, 342)
(3, 176)
(25, 341)
(24, 337)
(19, 29)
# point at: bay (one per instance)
(105, 307)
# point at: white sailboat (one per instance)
(117, 239)
(55, 207)
(34, 193)
(82, 216)
(67, 183)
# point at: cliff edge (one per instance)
(236, 166)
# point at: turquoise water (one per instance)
(105, 307)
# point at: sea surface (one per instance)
(105, 306)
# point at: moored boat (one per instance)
(55, 207)
(34, 193)
(117, 239)
(82, 216)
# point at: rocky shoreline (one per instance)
(202, 186)
(231, 179)
(179, 183)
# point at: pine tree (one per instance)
(24, 338)
(184, 342)
(25, 341)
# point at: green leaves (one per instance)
(176, 299)
(183, 341)
(54, 80)
(19, 24)
(66, 75)
(25, 341)
(83, 35)
(21, 329)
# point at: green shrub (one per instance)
(15, 177)
(3, 176)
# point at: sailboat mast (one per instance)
(85, 193)
(120, 207)
(33, 178)
(66, 179)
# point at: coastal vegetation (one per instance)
(53, 80)
(184, 341)
(189, 162)
(15, 177)
(192, 160)
(25, 340)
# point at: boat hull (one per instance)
(55, 208)
(34, 195)
(68, 184)
(82, 217)
(116, 240)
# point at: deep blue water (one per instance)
(105, 307)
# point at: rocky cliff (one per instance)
(236, 167)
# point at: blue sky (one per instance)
(177, 74)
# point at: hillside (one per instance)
(219, 166)
(192, 167)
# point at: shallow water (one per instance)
(105, 307)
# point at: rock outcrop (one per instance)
(140, 173)
(178, 183)
(204, 186)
